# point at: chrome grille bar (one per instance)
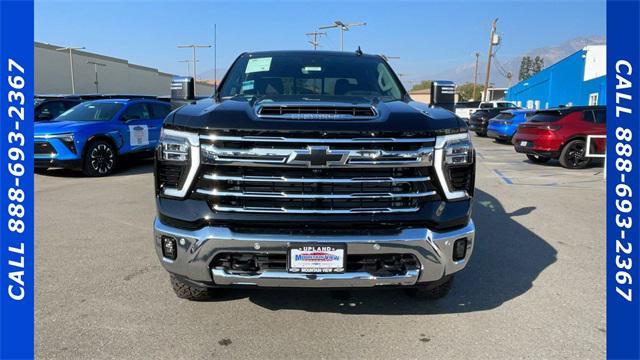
(287, 157)
(284, 195)
(282, 179)
(274, 210)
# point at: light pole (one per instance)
(95, 69)
(70, 49)
(343, 27)
(194, 47)
(188, 65)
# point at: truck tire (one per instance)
(572, 155)
(99, 159)
(538, 159)
(432, 291)
(187, 291)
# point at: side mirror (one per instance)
(182, 91)
(443, 94)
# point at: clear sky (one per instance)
(428, 36)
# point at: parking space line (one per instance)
(505, 179)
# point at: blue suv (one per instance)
(504, 125)
(93, 135)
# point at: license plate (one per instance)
(523, 143)
(319, 258)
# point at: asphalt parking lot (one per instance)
(535, 287)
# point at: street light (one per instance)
(188, 64)
(95, 69)
(70, 49)
(343, 27)
(194, 46)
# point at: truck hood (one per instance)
(399, 117)
(59, 127)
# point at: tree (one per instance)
(538, 65)
(530, 67)
(424, 84)
(465, 91)
(525, 68)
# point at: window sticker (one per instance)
(247, 85)
(139, 135)
(258, 65)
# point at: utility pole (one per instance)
(475, 76)
(95, 69)
(343, 27)
(492, 42)
(316, 35)
(194, 47)
(215, 61)
(70, 49)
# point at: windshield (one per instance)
(316, 75)
(91, 111)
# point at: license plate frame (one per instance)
(325, 255)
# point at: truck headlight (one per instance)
(458, 151)
(177, 161)
(454, 164)
(174, 148)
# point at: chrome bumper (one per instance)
(196, 250)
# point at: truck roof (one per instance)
(309, 52)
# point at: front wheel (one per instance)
(573, 155)
(187, 291)
(538, 159)
(481, 133)
(99, 159)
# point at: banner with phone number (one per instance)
(623, 180)
(16, 180)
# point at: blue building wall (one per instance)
(560, 84)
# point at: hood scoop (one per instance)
(316, 112)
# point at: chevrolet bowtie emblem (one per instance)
(318, 156)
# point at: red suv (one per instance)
(562, 134)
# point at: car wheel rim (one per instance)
(102, 159)
(576, 153)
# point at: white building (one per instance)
(53, 76)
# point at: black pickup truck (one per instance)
(313, 169)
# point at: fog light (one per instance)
(169, 248)
(459, 249)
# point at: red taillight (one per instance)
(553, 127)
(539, 126)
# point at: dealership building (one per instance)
(578, 79)
(114, 75)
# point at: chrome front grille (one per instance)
(315, 176)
